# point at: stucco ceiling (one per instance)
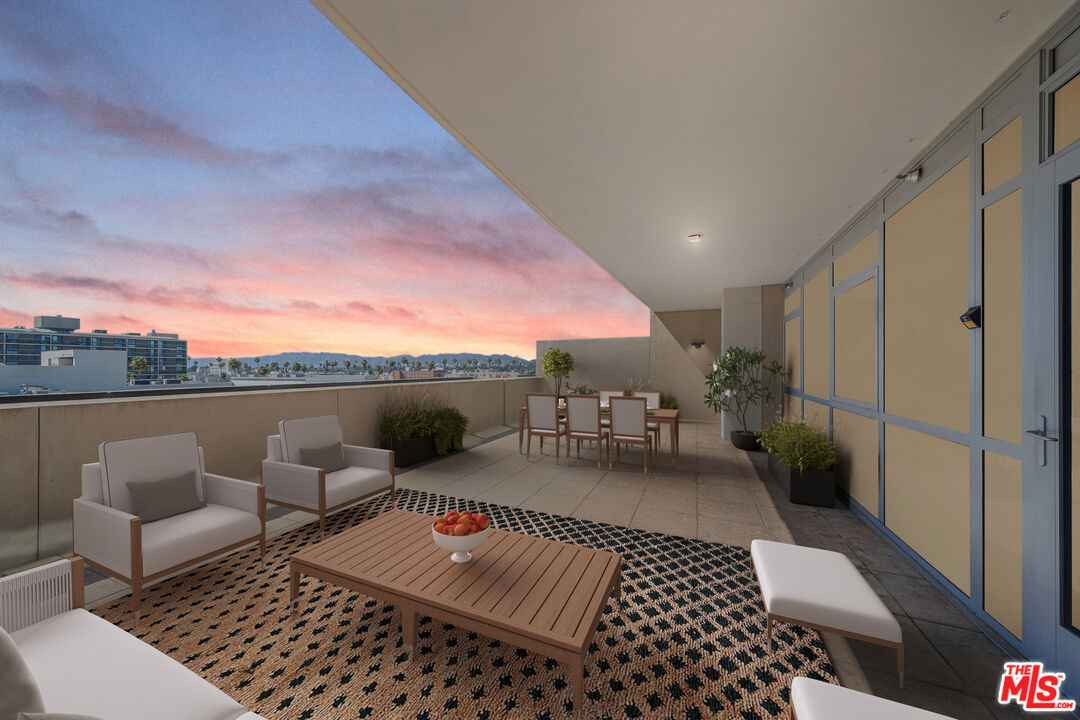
(762, 125)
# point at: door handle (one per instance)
(1040, 434)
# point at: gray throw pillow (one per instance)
(329, 458)
(55, 716)
(18, 690)
(156, 499)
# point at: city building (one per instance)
(67, 371)
(165, 353)
(419, 374)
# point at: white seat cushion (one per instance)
(352, 482)
(86, 665)
(820, 587)
(816, 700)
(180, 538)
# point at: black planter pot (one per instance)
(806, 487)
(745, 440)
(413, 450)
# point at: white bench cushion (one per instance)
(180, 538)
(350, 483)
(816, 700)
(86, 665)
(820, 587)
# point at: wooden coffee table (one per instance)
(541, 595)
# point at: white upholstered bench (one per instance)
(821, 589)
(816, 700)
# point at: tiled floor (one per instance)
(714, 492)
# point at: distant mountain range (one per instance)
(312, 359)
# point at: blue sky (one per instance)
(240, 173)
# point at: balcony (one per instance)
(690, 602)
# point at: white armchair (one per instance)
(111, 538)
(288, 482)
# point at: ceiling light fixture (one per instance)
(695, 238)
(1003, 15)
(698, 344)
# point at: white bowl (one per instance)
(460, 545)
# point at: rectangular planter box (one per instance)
(809, 487)
(413, 450)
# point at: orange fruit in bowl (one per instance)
(461, 529)
(482, 521)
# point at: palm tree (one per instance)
(256, 360)
(348, 367)
(365, 366)
(378, 369)
(444, 363)
(296, 368)
(404, 361)
(431, 365)
(234, 365)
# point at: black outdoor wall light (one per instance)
(698, 343)
(972, 318)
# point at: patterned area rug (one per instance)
(685, 641)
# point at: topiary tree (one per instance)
(558, 364)
(740, 380)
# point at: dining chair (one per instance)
(583, 423)
(652, 402)
(542, 411)
(628, 426)
(605, 395)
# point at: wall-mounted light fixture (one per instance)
(972, 318)
(698, 343)
(695, 238)
(911, 176)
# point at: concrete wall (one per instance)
(754, 318)
(91, 371)
(45, 443)
(678, 367)
(663, 361)
(600, 362)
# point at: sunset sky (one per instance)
(241, 174)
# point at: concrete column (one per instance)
(754, 318)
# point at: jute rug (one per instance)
(685, 641)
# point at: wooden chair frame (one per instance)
(654, 431)
(598, 437)
(322, 511)
(559, 431)
(645, 441)
(138, 581)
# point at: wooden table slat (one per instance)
(556, 600)
(593, 577)
(509, 579)
(484, 583)
(480, 556)
(374, 545)
(596, 604)
(538, 593)
(477, 569)
(326, 547)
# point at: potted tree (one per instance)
(739, 381)
(558, 364)
(802, 461)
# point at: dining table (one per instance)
(663, 416)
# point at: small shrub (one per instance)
(581, 389)
(403, 415)
(799, 445)
(669, 402)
